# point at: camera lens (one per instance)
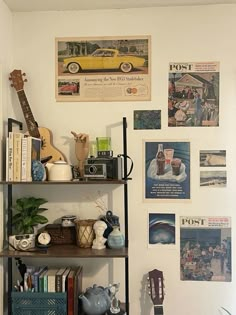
(24, 244)
(92, 169)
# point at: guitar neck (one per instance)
(29, 118)
(158, 310)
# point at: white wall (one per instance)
(5, 64)
(178, 34)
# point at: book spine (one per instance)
(17, 156)
(58, 283)
(36, 281)
(51, 282)
(70, 295)
(64, 279)
(41, 284)
(24, 143)
(10, 157)
(7, 159)
(45, 283)
(28, 161)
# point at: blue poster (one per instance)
(167, 170)
(161, 228)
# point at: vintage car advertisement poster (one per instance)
(193, 94)
(103, 69)
(167, 170)
(205, 248)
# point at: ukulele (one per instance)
(47, 149)
(156, 287)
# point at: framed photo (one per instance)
(167, 170)
(103, 69)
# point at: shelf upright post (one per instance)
(10, 123)
(126, 214)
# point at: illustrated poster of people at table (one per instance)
(167, 170)
(193, 94)
(205, 248)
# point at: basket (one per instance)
(61, 235)
(85, 233)
(28, 303)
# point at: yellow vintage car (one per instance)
(102, 59)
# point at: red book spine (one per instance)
(70, 295)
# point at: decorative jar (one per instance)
(116, 238)
(85, 233)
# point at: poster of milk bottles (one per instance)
(167, 170)
(193, 94)
(205, 248)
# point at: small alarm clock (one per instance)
(43, 239)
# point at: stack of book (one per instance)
(21, 150)
(52, 279)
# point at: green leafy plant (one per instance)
(26, 214)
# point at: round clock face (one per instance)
(44, 238)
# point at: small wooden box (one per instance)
(61, 235)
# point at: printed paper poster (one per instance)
(193, 94)
(167, 170)
(205, 248)
(103, 69)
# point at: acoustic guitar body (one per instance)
(47, 148)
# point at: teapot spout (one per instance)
(85, 301)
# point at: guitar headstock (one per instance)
(156, 286)
(16, 77)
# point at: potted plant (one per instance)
(26, 214)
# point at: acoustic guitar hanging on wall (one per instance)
(47, 149)
(156, 286)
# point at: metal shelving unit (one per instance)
(60, 251)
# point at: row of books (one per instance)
(52, 279)
(21, 150)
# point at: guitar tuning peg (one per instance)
(12, 85)
(148, 286)
(10, 79)
(148, 278)
(24, 74)
(25, 80)
(149, 292)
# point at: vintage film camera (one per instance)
(22, 242)
(104, 168)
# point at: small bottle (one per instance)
(160, 159)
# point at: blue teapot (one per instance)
(96, 300)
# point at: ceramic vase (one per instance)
(116, 238)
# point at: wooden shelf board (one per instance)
(73, 182)
(62, 251)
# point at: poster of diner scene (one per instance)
(103, 68)
(205, 248)
(167, 170)
(193, 94)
